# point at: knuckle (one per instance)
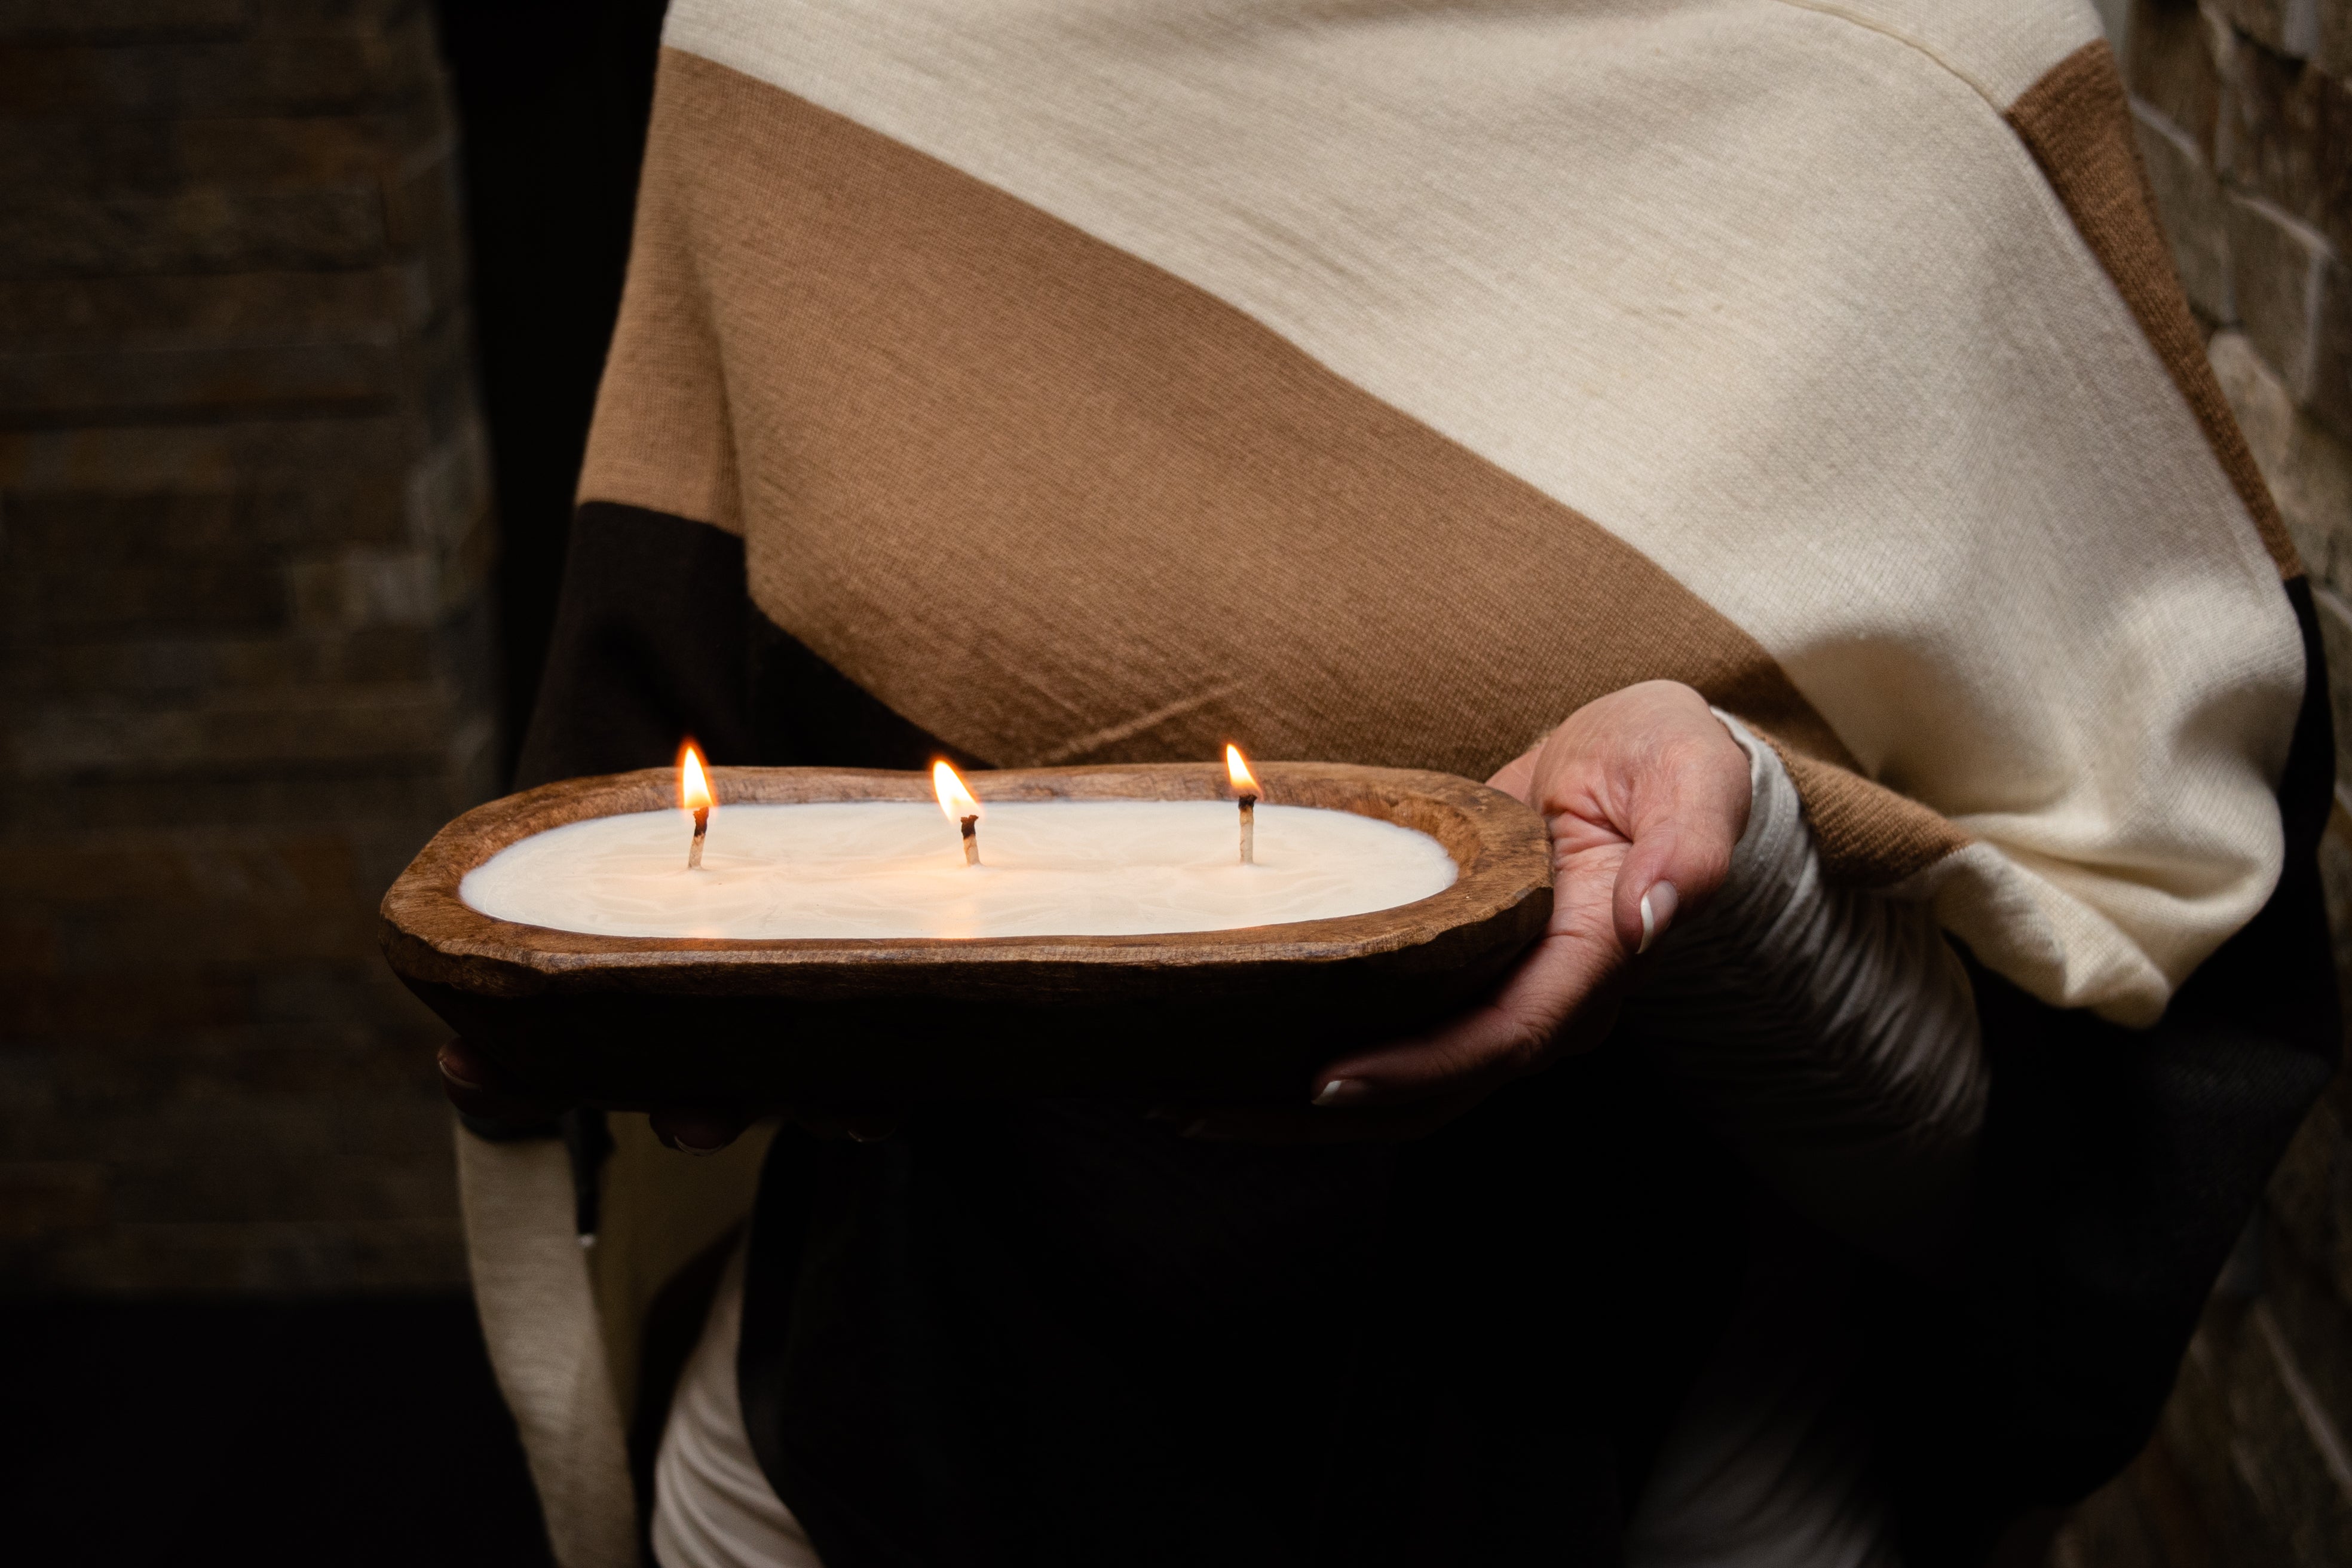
(1524, 1044)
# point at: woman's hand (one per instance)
(475, 1087)
(1646, 794)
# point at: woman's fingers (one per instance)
(1560, 998)
(699, 1131)
(1498, 1040)
(1646, 795)
(476, 1087)
(1552, 993)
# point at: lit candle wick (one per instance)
(961, 808)
(694, 794)
(1246, 790)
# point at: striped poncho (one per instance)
(1069, 380)
(1105, 379)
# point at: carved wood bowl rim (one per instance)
(1500, 847)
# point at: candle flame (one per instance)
(954, 799)
(1237, 766)
(693, 786)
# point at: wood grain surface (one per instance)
(634, 1022)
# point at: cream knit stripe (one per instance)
(546, 1345)
(1775, 295)
(2000, 48)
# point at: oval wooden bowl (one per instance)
(639, 1022)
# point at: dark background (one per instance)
(337, 1428)
(552, 97)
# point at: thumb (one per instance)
(1683, 842)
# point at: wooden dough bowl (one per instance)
(633, 1023)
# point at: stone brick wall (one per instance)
(244, 648)
(2245, 121)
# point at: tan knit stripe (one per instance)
(1863, 829)
(2076, 120)
(1054, 504)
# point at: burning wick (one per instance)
(694, 794)
(1246, 789)
(961, 809)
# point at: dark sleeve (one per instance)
(2117, 1168)
(656, 641)
(649, 649)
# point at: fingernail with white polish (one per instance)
(1657, 911)
(1342, 1091)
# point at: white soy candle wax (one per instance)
(896, 868)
